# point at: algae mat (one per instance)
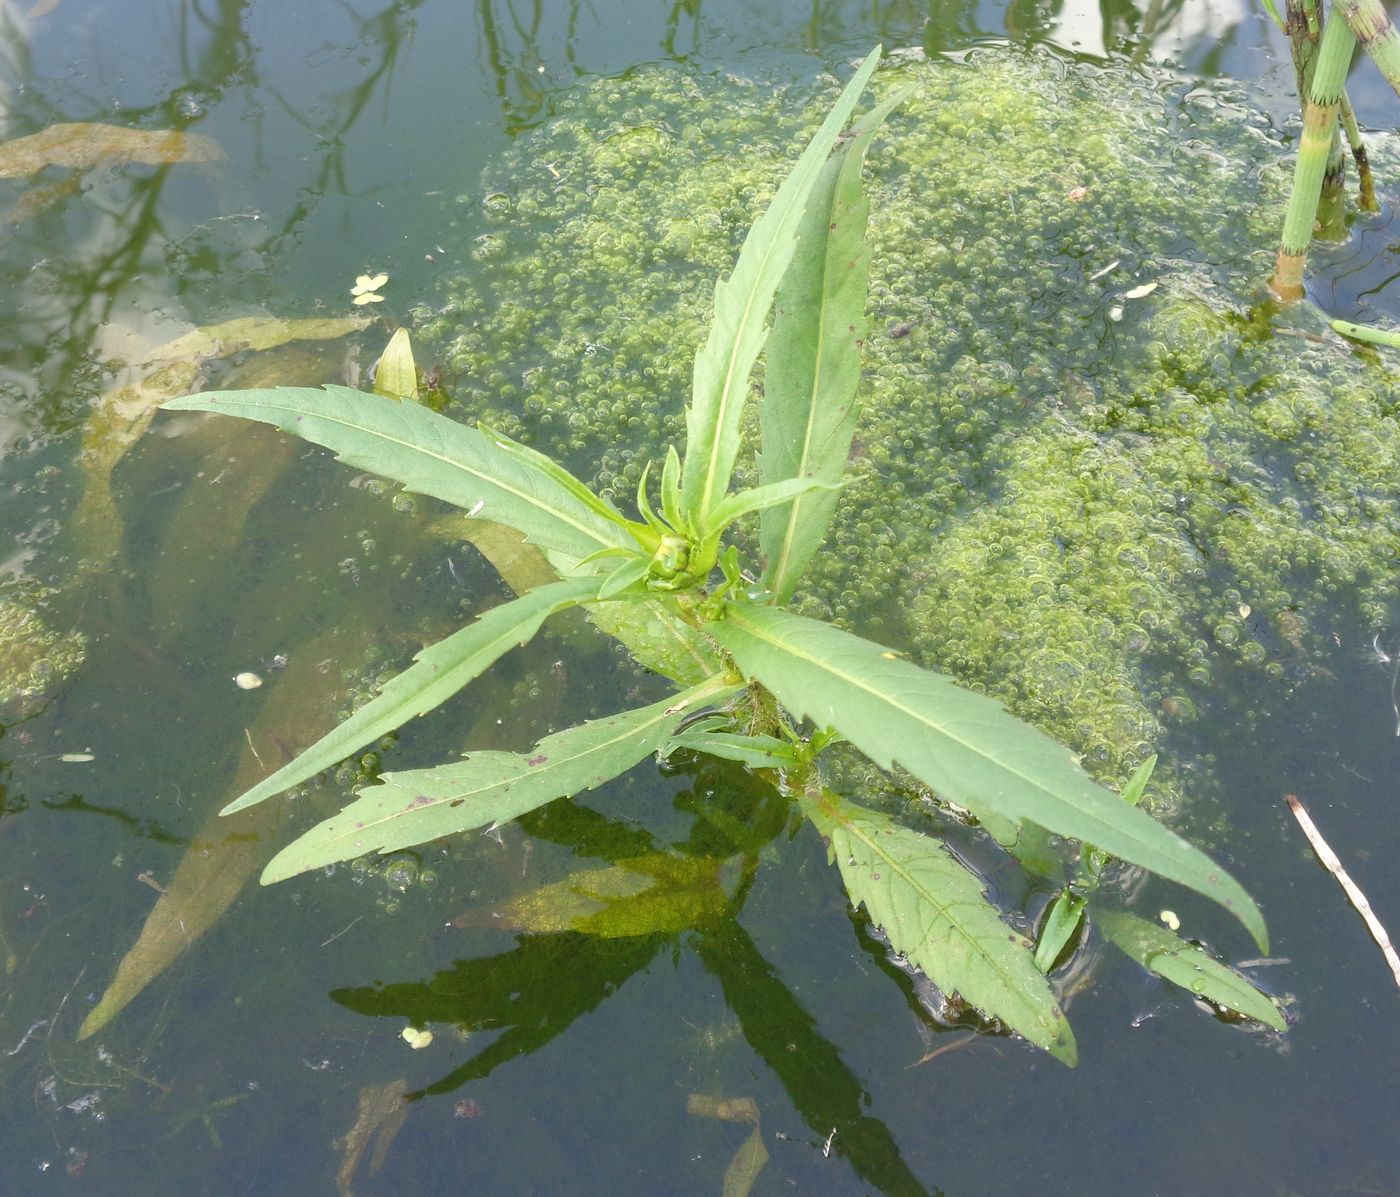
(1096, 477)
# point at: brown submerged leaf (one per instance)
(227, 852)
(40, 198)
(84, 145)
(123, 414)
(381, 1115)
(748, 1161)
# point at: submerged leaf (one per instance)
(748, 1161)
(437, 673)
(1185, 964)
(488, 788)
(427, 453)
(225, 853)
(936, 914)
(738, 329)
(381, 1114)
(658, 894)
(123, 414)
(966, 746)
(84, 145)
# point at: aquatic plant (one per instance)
(1322, 46)
(760, 684)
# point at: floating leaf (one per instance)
(738, 328)
(365, 283)
(488, 788)
(659, 639)
(396, 377)
(808, 410)
(427, 453)
(1185, 964)
(936, 914)
(437, 673)
(966, 746)
(85, 145)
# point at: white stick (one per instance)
(1354, 895)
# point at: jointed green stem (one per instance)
(1314, 150)
(1371, 26)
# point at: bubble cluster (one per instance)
(1067, 488)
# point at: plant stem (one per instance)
(1365, 184)
(1314, 149)
(1371, 26)
(1303, 24)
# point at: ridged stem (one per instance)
(1371, 25)
(1314, 149)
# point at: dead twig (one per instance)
(1354, 895)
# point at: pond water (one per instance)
(267, 1053)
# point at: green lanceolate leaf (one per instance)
(1061, 922)
(807, 415)
(546, 465)
(659, 638)
(763, 498)
(437, 673)
(427, 453)
(1184, 964)
(966, 746)
(738, 329)
(757, 752)
(489, 788)
(935, 913)
(630, 573)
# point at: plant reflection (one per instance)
(534, 992)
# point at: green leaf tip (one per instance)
(433, 455)
(935, 913)
(966, 747)
(739, 330)
(438, 672)
(489, 788)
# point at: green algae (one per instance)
(1099, 502)
(35, 658)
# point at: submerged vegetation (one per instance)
(760, 685)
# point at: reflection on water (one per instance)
(560, 1062)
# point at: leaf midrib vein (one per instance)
(859, 684)
(416, 447)
(942, 908)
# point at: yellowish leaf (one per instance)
(123, 414)
(396, 376)
(85, 145)
(381, 1115)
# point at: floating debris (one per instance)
(415, 1038)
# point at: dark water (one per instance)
(559, 1063)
